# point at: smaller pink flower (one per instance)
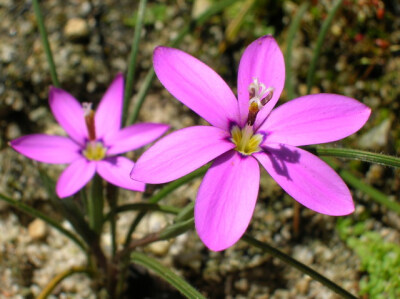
(245, 132)
(94, 142)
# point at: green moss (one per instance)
(380, 260)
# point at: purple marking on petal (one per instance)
(116, 170)
(69, 114)
(308, 179)
(226, 200)
(74, 177)
(180, 153)
(263, 60)
(314, 119)
(196, 85)
(134, 137)
(47, 149)
(109, 112)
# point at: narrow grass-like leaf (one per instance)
(45, 42)
(132, 58)
(321, 36)
(373, 193)
(358, 155)
(185, 213)
(176, 229)
(298, 265)
(143, 207)
(236, 23)
(161, 194)
(293, 29)
(60, 277)
(35, 213)
(165, 273)
(68, 209)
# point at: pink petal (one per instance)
(196, 85)
(46, 148)
(69, 114)
(74, 177)
(116, 170)
(316, 118)
(307, 179)
(133, 137)
(226, 200)
(263, 60)
(180, 153)
(108, 113)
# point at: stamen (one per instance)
(245, 140)
(89, 119)
(94, 151)
(259, 97)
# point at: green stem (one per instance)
(132, 59)
(35, 213)
(293, 29)
(161, 194)
(165, 273)
(60, 277)
(45, 42)
(95, 205)
(298, 265)
(321, 36)
(358, 155)
(112, 198)
(213, 10)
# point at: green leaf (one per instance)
(165, 273)
(177, 229)
(358, 155)
(35, 213)
(298, 265)
(293, 29)
(321, 36)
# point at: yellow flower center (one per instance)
(95, 151)
(245, 140)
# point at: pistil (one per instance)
(259, 97)
(89, 120)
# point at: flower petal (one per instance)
(263, 60)
(196, 85)
(180, 153)
(74, 177)
(226, 200)
(47, 148)
(307, 179)
(133, 137)
(109, 112)
(116, 170)
(69, 114)
(314, 119)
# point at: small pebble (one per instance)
(76, 29)
(37, 229)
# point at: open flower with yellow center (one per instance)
(244, 133)
(94, 142)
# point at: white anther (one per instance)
(87, 108)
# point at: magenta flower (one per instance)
(93, 143)
(244, 132)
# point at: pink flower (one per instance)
(95, 140)
(246, 132)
